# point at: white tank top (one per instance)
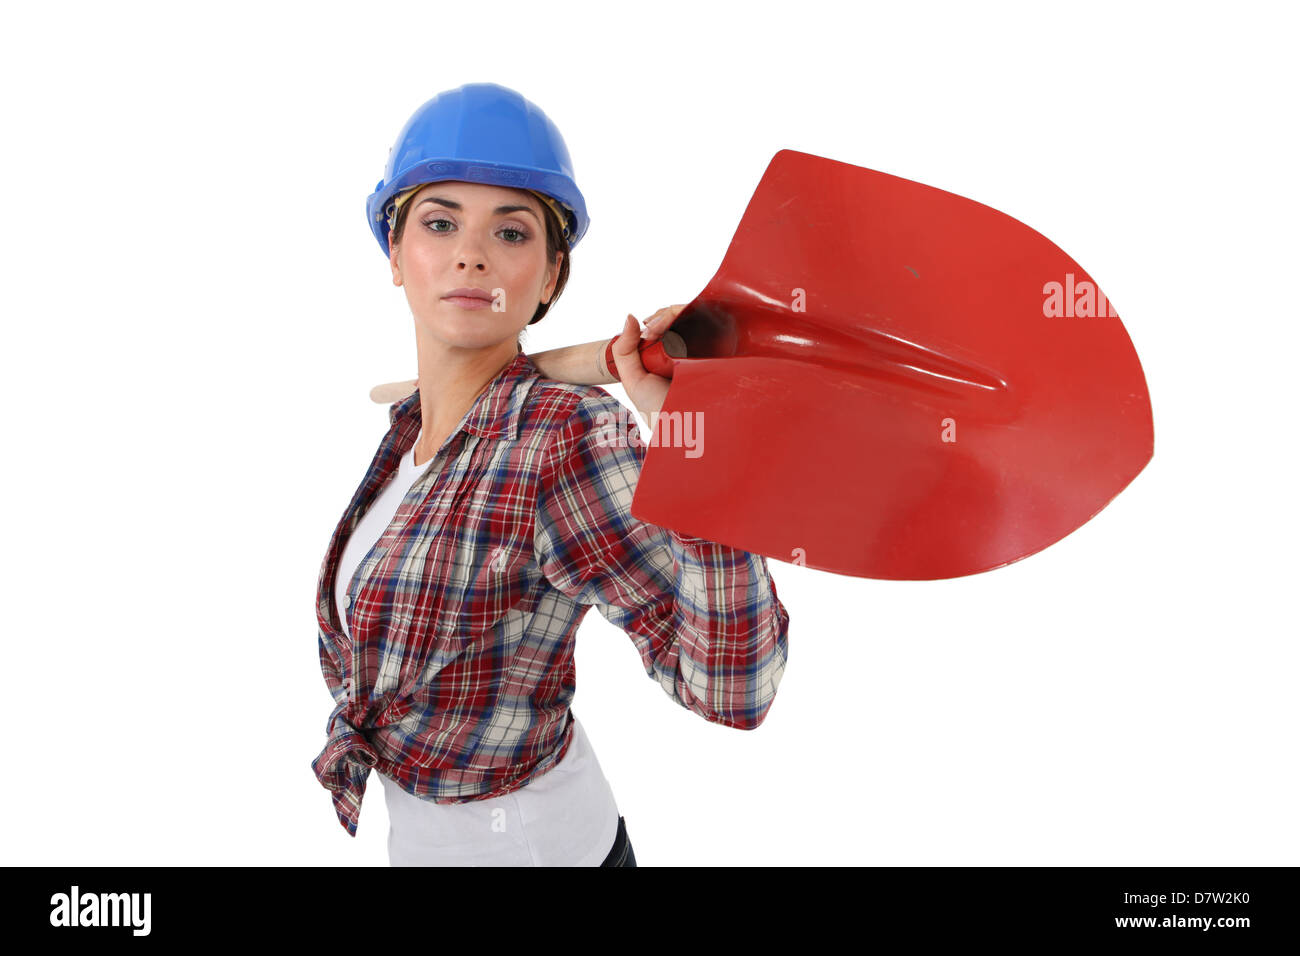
(565, 817)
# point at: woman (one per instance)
(495, 512)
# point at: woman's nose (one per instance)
(470, 252)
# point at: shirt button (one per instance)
(347, 600)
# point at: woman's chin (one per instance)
(473, 332)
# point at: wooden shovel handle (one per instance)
(391, 392)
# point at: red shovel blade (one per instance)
(892, 381)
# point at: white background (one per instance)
(196, 311)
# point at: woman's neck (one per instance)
(450, 379)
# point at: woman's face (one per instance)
(460, 236)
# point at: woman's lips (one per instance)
(469, 298)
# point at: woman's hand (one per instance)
(646, 389)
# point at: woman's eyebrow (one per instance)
(499, 211)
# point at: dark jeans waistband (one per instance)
(620, 854)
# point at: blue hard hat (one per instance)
(480, 133)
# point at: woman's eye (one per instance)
(510, 233)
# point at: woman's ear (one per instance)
(552, 277)
(392, 261)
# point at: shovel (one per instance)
(885, 380)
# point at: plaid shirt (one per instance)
(459, 672)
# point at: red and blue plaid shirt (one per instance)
(457, 678)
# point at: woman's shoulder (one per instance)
(561, 414)
(555, 404)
